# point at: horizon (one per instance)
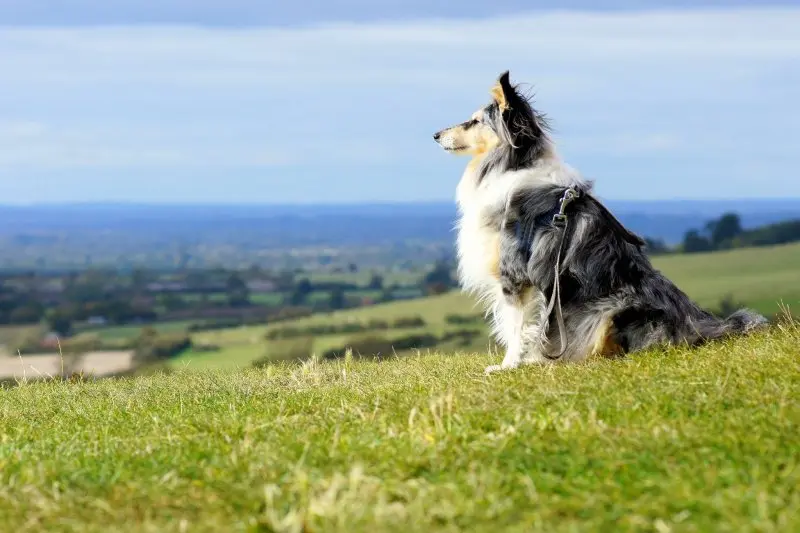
(771, 208)
(191, 103)
(368, 203)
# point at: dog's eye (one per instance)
(468, 124)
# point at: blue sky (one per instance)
(321, 101)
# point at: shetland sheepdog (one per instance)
(561, 278)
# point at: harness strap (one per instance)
(561, 222)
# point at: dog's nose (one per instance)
(437, 135)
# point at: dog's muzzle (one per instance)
(444, 140)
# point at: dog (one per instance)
(560, 277)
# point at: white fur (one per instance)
(516, 325)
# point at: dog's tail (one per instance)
(741, 322)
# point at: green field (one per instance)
(757, 277)
(361, 278)
(131, 332)
(673, 440)
(244, 344)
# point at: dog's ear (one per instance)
(502, 91)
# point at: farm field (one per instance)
(33, 366)
(674, 440)
(240, 346)
(761, 278)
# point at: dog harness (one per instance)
(556, 218)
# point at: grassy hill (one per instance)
(674, 440)
(758, 277)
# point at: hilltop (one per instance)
(693, 440)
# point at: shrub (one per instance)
(206, 347)
(159, 347)
(80, 345)
(376, 323)
(378, 346)
(462, 337)
(211, 325)
(290, 332)
(409, 322)
(457, 319)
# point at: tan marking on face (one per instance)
(499, 96)
(476, 140)
(484, 146)
(605, 345)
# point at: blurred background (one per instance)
(206, 184)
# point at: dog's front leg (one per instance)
(515, 288)
(508, 322)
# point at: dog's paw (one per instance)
(492, 369)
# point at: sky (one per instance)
(316, 101)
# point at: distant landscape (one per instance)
(140, 287)
(404, 237)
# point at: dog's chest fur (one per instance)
(482, 207)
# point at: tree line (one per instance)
(726, 232)
(99, 297)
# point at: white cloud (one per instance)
(388, 53)
(652, 84)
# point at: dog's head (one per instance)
(508, 121)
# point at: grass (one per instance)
(672, 440)
(230, 357)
